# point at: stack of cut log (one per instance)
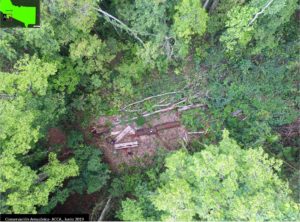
(132, 133)
(120, 135)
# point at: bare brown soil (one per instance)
(289, 132)
(56, 137)
(169, 135)
(78, 204)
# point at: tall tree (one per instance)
(221, 182)
(23, 189)
(257, 22)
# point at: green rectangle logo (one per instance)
(19, 13)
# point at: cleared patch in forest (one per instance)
(124, 142)
(130, 144)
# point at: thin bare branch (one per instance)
(172, 107)
(162, 105)
(192, 106)
(260, 12)
(195, 133)
(121, 24)
(206, 4)
(150, 97)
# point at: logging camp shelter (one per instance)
(130, 144)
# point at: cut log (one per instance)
(145, 131)
(155, 129)
(127, 130)
(115, 133)
(119, 146)
(168, 125)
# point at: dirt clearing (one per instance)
(131, 144)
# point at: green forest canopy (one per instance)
(221, 182)
(105, 54)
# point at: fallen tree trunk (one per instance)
(149, 98)
(107, 205)
(173, 107)
(120, 24)
(193, 106)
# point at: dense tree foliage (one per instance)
(239, 58)
(21, 119)
(93, 174)
(221, 182)
(30, 101)
(257, 21)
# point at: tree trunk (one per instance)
(105, 209)
(213, 5)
